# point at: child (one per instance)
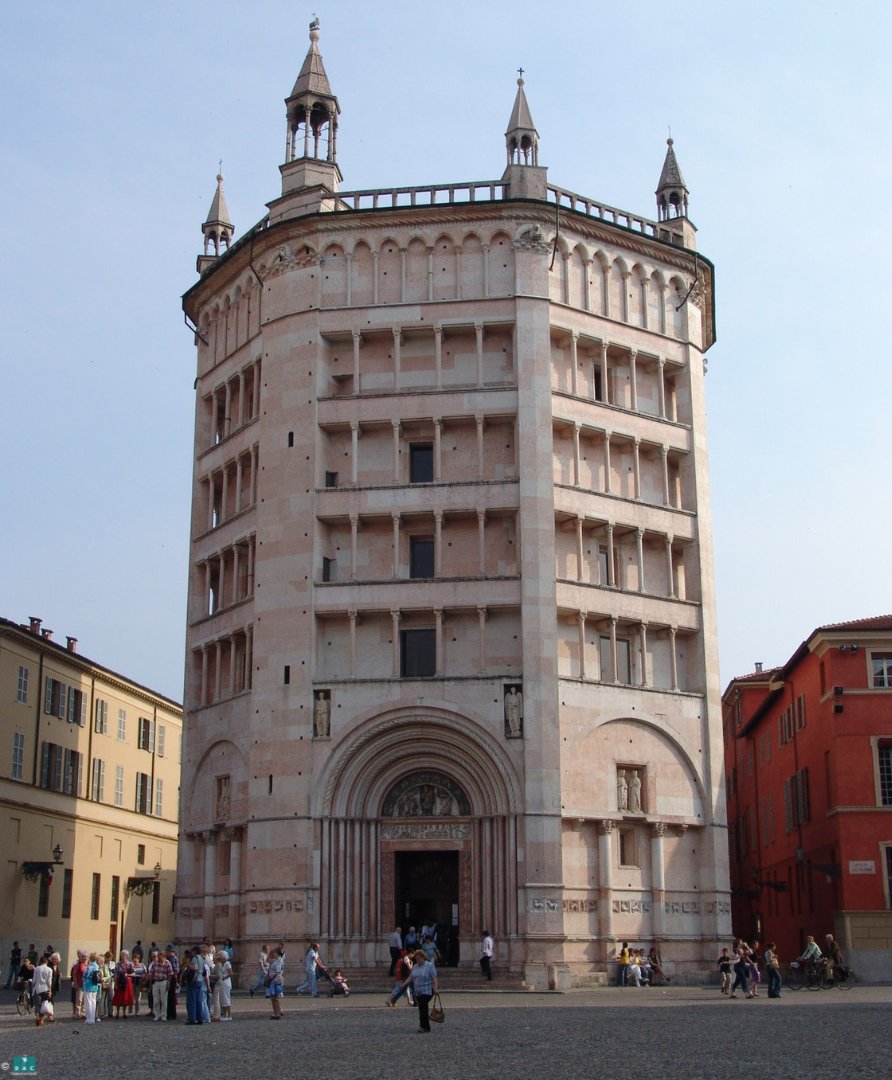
(403, 970)
(339, 985)
(724, 962)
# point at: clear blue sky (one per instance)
(114, 116)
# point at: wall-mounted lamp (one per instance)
(34, 870)
(143, 885)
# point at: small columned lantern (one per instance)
(312, 110)
(218, 230)
(672, 194)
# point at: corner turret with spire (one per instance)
(218, 230)
(526, 179)
(672, 199)
(310, 172)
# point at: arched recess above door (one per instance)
(392, 745)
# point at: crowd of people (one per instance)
(151, 982)
(749, 962)
(147, 982)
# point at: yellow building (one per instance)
(89, 797)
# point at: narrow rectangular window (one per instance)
(101, 724)
(72, 781)
(156, 901)
(881, 664)
(328, 566)
(122, 725)
(159, 797)
(624, 661)
(884, 754)
(888, 854)
(21, 694)
(800, 712)
(94, 896)
(143, 794)
(421, 557)
(628, 849)
(115, 896)
(287, 674)
(421, 463)
(160, 735)
(141, 854)
(606, 572)
(67, 890)
(788, 805)
(54, 699)
(97, 792)
(146, 739)
(418, 653)
(119, 785)
(18, 754)
(43, 897)
(331, 479)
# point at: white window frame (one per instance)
(119, 785)
(146, 736)
(122, 725)
(97, 788)
(159, 797)
(100, 725)
(21, 694)
(160, 732)
(878, 743)
(887, 674)
(18, 755)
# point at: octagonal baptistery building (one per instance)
(451, 636)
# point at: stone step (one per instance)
(375, 980)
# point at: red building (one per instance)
(808, 762)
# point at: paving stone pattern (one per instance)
(610, 1034)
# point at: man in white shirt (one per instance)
(41, 988)
(395, 944)
(486, 951)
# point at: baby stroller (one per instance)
(339, 987)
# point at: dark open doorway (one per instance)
(426, 890)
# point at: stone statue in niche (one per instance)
(622, 790)
(514, 712)
(322, 714)
(634, 793)
(223, 800)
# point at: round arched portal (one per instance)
(418, 811)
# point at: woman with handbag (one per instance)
(42, 992)
(423, 978)
(122, 998)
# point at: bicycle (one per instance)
(23, 1004)
(795, 976)
(842, 977)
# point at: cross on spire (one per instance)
(520, 72)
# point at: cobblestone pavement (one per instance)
(609, 1034)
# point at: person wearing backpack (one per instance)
(91, 989)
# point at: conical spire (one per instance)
(218, 229)
(312, 78)
(312, 106)
(672, 193)
(521, 138)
